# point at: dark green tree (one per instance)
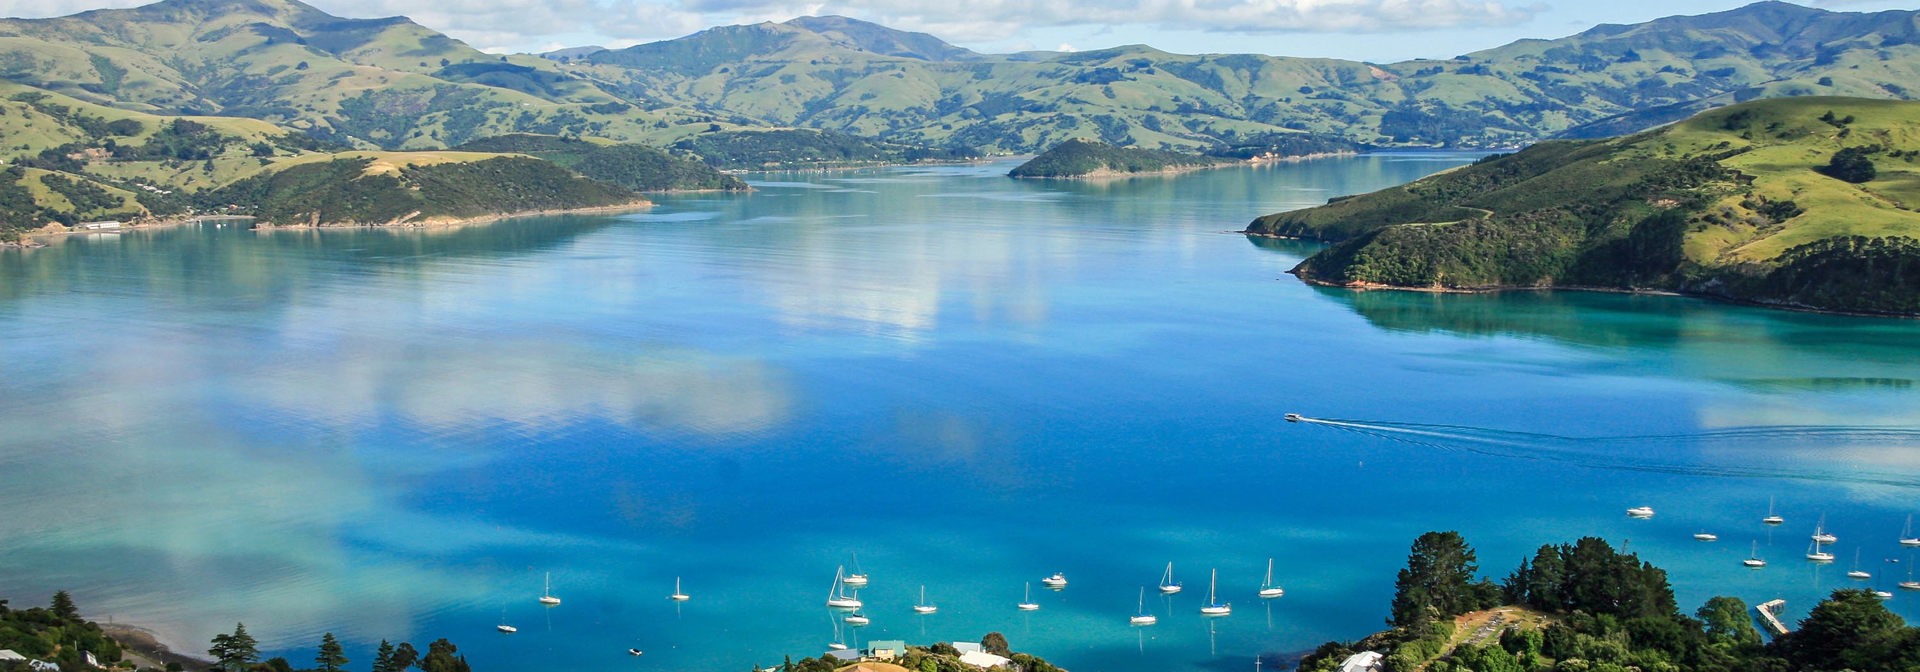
(1850, 629)
(235, 652)
(383, 658)
(1852, 164)
(996, 644)
(1726, 621)
(441, 657)
(331, 657)
(404, 656)
(1438, 581)
(63, 607)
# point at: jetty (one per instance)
(1770, 615)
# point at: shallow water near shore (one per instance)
(970, 381)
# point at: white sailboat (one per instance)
(1640, 512)
(857, 619)
(1267, 589)
(1910, 584)
(923, 607)
(1753, 558)
(1906, 535)
(1214, 606)
(546, 594)
(1027, 603)
(678, 596)
(1817, 555)
(503, 627)
(856, 578)
(1140, 615)
(1705, 536)
(838, 643)
(1772, 519)
(1168, 586)
(1820, 533)
(837, 599)
(1056, 582)
(1857, 572)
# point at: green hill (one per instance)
(409, 188)
(1739, 203)
(1083, 158)
(636, 167)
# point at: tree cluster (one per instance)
(240, 652)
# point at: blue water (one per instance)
(971, 382)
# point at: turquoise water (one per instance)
(972, 382)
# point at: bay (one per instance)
(971, 382)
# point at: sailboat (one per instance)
(923, 607)
(1857, 572)
(1640, 512)
(1820, 532)
(838, 643)
(1056, 582)
(837, 599)
(1704, 535)
(1818, 555)
(1772, 519)
(546, 594)
(503, 627)
(1906, 536)
(855, 578)
(1753, 558)
(1140, 616)
(1168, 586)
(1910, 584)
(1267, 589)
(1214, 606)
(678, 596)
(857, 619)
(1027, 603)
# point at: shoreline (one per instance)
(136, 641)
(1497, 289)
(441, 222)
(1107, 173)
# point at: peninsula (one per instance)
(1805, 203)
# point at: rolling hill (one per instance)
(1800, 202)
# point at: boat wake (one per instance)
(1775, 452)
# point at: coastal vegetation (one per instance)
(1587, 607)
(939, 657)
(1086, 158)
(384, 188)
(633, 166)
(1803, 202)
(55, 633)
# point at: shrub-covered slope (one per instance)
(1744, 202)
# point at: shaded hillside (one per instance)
(1744, 202)
(386, 189)
(636, 167)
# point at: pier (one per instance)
(1770, 616)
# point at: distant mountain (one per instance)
(837, 74)
(1799, 202)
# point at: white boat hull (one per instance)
(1216, 611)
(1858, 575)
(679, 598)
(1754, 563)
(1910, 543)
(844, 604)
(1169, 590)
(1143, 620)
(1820, 557)
(1272, 592)
(1910, 585)
(550, 601)
(506, 629)
(856, 580)
(1773, 520)
(925, 609)
(1029, 606)
(1706, 537)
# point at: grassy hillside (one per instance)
(389, 188)
(1082, 158)
(1740, 202)
(636, 167)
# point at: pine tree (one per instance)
(383, 658)
(63, 607)
(235, 652)
(331, 657)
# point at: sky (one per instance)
(1364, 30)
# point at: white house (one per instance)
(100, 226)
(1365, 661)
(982, 659)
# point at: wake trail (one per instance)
(1577, 451)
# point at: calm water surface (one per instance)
(972, 382)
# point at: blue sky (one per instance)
(1368, 30)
